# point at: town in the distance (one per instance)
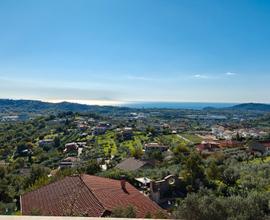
(66, 159)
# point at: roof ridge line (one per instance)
(80, 176)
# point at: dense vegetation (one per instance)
(215, 187)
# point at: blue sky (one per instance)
(140, 50)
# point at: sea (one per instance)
(177, 105)
(147, 104)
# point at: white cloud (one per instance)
(230, 74)
(200, 76)
(216, 77)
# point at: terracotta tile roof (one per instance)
(111, 195)
(230, 144)
(85, 195)
(69, 196)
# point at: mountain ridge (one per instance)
(251, 107)
(37, 106)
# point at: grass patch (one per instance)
(192, 137)
(107, 142)
(260, 161)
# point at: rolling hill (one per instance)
(251, 107)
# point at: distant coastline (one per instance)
(149, 104)
(177, 105)
(78, 105)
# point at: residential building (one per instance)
(86, 195)
(71, 147)
(166, 190)
(132, 164)
(207, 146)
(68, 162)
(150, 147)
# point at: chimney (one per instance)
(123, 183)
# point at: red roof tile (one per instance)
(111, 195)
(69, 196)
(85, 195)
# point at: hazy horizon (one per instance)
(142, 104)
(135, 103)
(133, 51)
(120, 102)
